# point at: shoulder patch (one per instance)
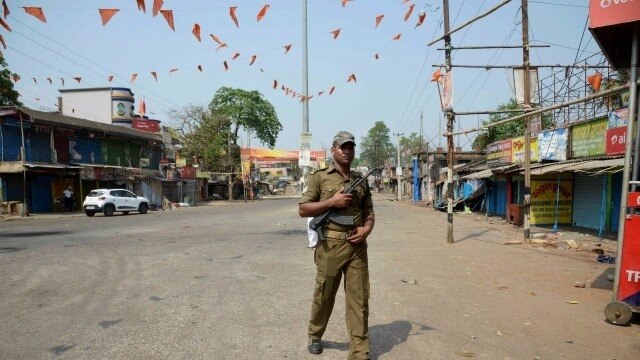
(322, 169)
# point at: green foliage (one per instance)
(376, 146)
(8, 96)
(247, 109)
(410, 146)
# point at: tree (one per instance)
(8, 96)
(511, 129)
(376, 146)
(409, 146)
(247, 109)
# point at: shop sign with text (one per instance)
(588, 139)
(547, 200)
(499, 153)
(517, 150)
(552, 145)
(616, 140)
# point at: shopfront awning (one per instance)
(18, 167)
(608, 165)
(483, 174)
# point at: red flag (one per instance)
(196, 31)
(5, 25)
(4, 45)
(376, 56)
(595, 81)
(173, 70)
(141, 6)
(436, 75)
(332, 90)
(287, 48)
(50, 81)
(335, 33)
(379, 19)
(142, 108)
(107, 14)
(157, 5)
(110, 78)
(35, 11)
(352, 77)
(200, 68)
(133, 77)
(232, 13)
(155, 75)
(397, 37)
(77, 78)
(6, 9)
(262, 12)
(406, 16)
(421, 18)
(344, 2)
(226, 66)
(275, 84)
(235, 56)
(253, 59)
(216, 39)
(168, 15)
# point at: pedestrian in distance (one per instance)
(343, 251)
(68, 199)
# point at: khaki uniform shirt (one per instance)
(324, 183)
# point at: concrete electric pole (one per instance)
(399, 168)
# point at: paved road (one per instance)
(234, 281)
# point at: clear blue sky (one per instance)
(394, 89)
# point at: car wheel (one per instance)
(90, 213)
(143, 208)
(125, 212)
(109, 210)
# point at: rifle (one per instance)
(319, 221)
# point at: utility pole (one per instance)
(305, 82)
(230, 184)
(527, 120)
(450, 120)
(398, 167)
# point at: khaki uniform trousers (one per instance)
(333, 257)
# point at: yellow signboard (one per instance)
(546, 200)
(517, 150)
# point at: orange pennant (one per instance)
(221, 46)
(107, 14)
(5, 25)
(200, 68)
(376, 56)
(216, 39)
(35, 11)
(196, 31)
(232, 13)
(287, 48)
(226, 66)
(397, 37)
(133, 77)
(335, 33)
(595, 81)
(155, 75)
(282, 88)
(110, 78)
(436, 75)
(4, 45)
(332, 89)
(16, 78)
(141, 6)
(421, 18)
(275, 84)
(253, 59)
(406, 16)
(173, 70)
(344, 2)
(352, 77)
(6, 9)
(142, 109)
(168, 15)
(235, 56)
(62, 80)
(50, 81)
(77, 78)
(157, 5)
(262, 12)
(379, 19)
(34, 80)
(320, 93)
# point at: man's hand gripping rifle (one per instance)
(319, 221)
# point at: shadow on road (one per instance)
(473, 235)
(32, 234)
(602, 281)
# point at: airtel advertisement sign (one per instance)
(613, 12)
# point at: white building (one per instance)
(106, 105)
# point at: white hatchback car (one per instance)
(108, 201)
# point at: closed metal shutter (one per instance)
(587, 200)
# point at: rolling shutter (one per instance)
(587, 200)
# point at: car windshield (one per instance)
(95, 193)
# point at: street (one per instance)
(234, 281)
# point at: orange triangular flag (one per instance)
(332, 89)
(262, 12)
(287, 48)
(133, 77)
(141, 6)
(4, 45)
(275, 84)
(595, 81)
(6, 9)
(110, 78)
(352, 77)
(253, 59)
(142, 109)
(16, 78)
(335, 33)
(344, 2)
(5, 25)
(50, 81)
(157, 5)
(320, 93)
(379, 19)
(62, 79)
(221, 46)
(406, 16)
(200, 68)
(421, 18)
(376, 56)
(168, 15)
(34, 80)
(397, 37)
(226, 66)
(235, 56)
(216, 39)
(173, 70)
(35, 11)
(77, 78)
(155, 75)
(436, 75)
(107, 14)
(196, 31)
(232, 13)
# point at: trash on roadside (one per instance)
(465, 353)
(531, 293)
(606, 259)
(410, 281)
(572, 302)
(513, 242)
(572, 244)
(579, 284)
(610, 277)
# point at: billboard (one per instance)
(517, 150)
(552, 145)
(499, 153)
(587, 139)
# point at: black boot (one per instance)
(315, 347)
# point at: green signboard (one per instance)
(588, 139)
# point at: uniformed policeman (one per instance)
(344, 251)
